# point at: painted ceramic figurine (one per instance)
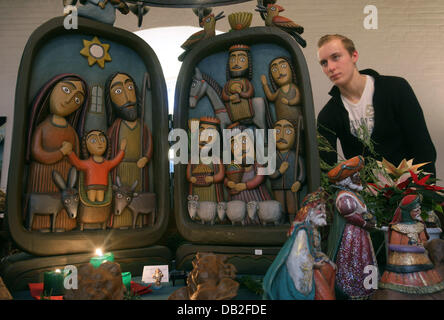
(208, 23)
(273, 19)
(238, 91)
(285, 94)
(124, 111)
(205, 179)
(96, 167)
(301, 271)
(349, 243)
(242, 180)
(409, 269)
(56, 113)
(290, 173)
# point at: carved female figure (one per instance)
(55, 114)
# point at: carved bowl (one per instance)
(240, 20)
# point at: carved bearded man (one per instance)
(238, 91)
(349, 243)
(124, 111)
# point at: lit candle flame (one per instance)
(58, 271)
(99, 252)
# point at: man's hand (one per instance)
(295, 187)
(193, 179)
(284, 101)
(283, 167)
(66, 148)
(231, 184)
(102, 4)
(142, 162)
(264, 81)
(209, 179)
(123, 144)
(240, 187)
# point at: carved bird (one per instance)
(273, 19)
(209, 30)
(139, 10)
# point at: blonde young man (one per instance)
(385, 105)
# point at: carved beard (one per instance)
(239, 74)
(126, 113)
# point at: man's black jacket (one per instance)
(399, 132)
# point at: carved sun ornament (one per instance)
(96, 51)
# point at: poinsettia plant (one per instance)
(388, 184)
(385, 184)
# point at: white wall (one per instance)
(407, 43)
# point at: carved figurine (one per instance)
(96, 167)
(125, 112)
(272, 19)
(285, 94)
(301, 271)
(238, 91)
(52, 203)
(409, 269)
(211, 279)
(143, 203)
(205, 179)
(240, 20)
(55, 116)
(208, 23)
(202, 84)
(242, 180)
(157, 277)
(290, 169)
(349, 243)
(99, 10)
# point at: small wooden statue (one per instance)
(212, 278)
(271, 16)
(301, 271)
(349, 243)
(285, 94)
(409, 270)
(100, 10)
(96, 167)
(157, 277)
(208, 23)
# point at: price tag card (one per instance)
(149, 271)
(258, 252)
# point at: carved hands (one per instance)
(66, 148)
(123, 144)
(142, 162)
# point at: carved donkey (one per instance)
(125, 197)
(52, 203)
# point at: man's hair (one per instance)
(348, 43)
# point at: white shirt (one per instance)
(362, 113)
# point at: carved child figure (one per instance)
(96, 167)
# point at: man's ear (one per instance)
(355, 56)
